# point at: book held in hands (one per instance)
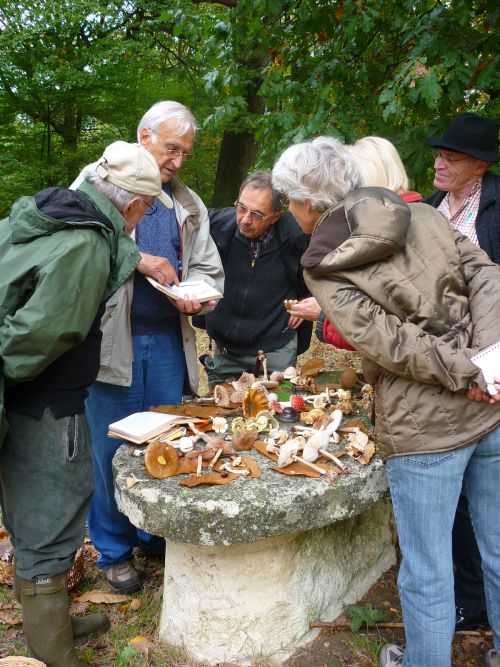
(192, 289)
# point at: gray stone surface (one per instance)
(247, 510)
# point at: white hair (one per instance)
(379, 164)
(321, 171)
(168, 111)
(117, 196)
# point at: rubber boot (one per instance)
(83, 627)
(47, 625)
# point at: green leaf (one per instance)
(365, 614)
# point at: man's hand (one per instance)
(306, 309)
(158, 268)
(475, 394)
(191, 306)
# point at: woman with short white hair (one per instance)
(417, 299)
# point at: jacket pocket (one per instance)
(109, 321)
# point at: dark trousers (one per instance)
(469, 587)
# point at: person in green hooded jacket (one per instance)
(62, 254)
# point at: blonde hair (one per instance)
(379, 164)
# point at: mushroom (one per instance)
(229, 467)
(186, 444)
(237, 397)
(290, 372)
(277, 376)
(254, 402)
(332, 427)
(244, 382)
(219, 424)
(221, 395)
(317, 442)
(161, 460)
(260, 386)
(288, 451)
(261, 356)
(244, 439)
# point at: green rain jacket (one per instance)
(55, 271)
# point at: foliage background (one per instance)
(257, 74)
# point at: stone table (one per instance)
(249, 565)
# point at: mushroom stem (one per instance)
(198, 467)
(199, 433)
(216, 458)
(262, 356)
(299, 459)
(333, 458)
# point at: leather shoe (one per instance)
(123, 577)
(470, 620)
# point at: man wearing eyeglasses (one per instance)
(260, 247)
(148, 352)
(469, 196)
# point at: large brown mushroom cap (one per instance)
(161, 460)
(221, 395)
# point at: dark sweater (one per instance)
(252, 316)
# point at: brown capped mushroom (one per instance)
(161, 460)
(254, 402)
(277, 376)
(243, 440)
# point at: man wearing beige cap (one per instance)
(63, 253)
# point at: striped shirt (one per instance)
(464, 219)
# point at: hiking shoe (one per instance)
(123, 577)
(391, 656)
(492, 659)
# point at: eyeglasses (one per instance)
(175, 152)
(150, 208)
(449, 159)
(255, 216)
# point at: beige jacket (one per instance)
(200, 261)
(417, 299)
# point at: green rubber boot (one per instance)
(83, 627)
(47, 625)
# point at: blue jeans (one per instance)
(425, 490)
(158, 373)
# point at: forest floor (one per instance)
(132, 639)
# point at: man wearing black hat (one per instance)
(469, 196)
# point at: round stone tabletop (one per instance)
(247, 510)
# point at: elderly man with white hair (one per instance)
(148, 350)
(63, 253)
(417, 299)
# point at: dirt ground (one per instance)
(138, 618)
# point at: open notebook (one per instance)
(143, 426)
(488, 361)
(193, 289)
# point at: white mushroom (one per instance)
(277, 376)
(261, 355)
(186, 444)
(332, 427)
(290, 372)
(317, 442)
(288, 451)
(229, 466)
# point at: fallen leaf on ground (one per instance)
(141, 645)
(101, 597)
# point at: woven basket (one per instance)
(19, 661)
(75, 575)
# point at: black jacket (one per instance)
(488, 216)
(292, 244)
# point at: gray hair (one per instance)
(321, 171)
(379, 164)
(262, 180)
(117, 196)
(167, 112)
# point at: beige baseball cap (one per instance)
(133, 168)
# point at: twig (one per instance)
(346, 624)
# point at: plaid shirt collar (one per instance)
(464, 219)
(257, 245)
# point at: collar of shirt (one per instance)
(258, 244)
(464, 219)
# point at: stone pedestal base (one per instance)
(241, 602)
